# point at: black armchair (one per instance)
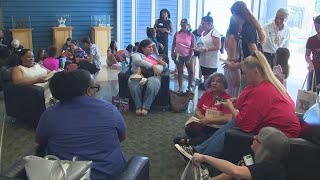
(23, 102)
(302, 162)
(137, 168)
(162, 98)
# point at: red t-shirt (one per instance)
(264, 106)
(207, 101)
(313, 44)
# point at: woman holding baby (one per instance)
(153, 84)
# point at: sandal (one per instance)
(181, 140)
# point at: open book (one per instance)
(209, 114)
(66, 53)
(50, 74)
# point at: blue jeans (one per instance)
(152, 88)
(213, 146)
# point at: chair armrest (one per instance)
(236, 145)
(24, 101)
(123, 77)
(137, 168)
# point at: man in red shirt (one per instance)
(313, 46)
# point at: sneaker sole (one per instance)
(182, 151)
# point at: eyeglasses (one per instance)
(96, 87)
(217, 81)
(256, 138)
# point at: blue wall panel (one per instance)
(43, 16)
(126, 15)
(143, 19)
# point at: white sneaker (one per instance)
(143, 81)
(186, 151)
(135, 77)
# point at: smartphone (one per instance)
(218, 98)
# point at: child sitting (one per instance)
(281, 66)
(142, 73)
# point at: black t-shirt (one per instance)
(267, 171)
(163, 37)
(248, 36)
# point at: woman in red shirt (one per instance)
(210, 101)
(263, 103)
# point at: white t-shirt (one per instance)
(209, 59)
(275, 38)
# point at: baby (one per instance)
(142, 73)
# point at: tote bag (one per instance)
(52, 168)
(306, 99)
(179, 101)
(195, 173)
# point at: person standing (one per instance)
(313, 47)
(251, 36)
(210, 41)
(277, 35)
(182, 45)
(164, 27)
(233, 54)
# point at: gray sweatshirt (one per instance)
(138, 61)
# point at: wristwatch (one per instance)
(206, 49)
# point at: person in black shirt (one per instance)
(270, 147)
(164, 27)
(251, 35)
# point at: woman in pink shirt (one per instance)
(51, 62)
(181, 52)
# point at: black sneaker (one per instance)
(185, 151)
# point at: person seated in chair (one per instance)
(3, 41)
(153, 84)
(114, 56)
(270, 147)
(142, 73)
(209, 103)
(16, 47)
(66, 129)
(93, 58)
(30, 73)
(51, 62)
(260, 104)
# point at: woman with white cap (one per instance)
(182, 51)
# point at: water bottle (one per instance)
(123, 65)
(190, 107)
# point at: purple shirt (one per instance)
(87, 128)
(51, 63)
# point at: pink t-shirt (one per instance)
(183, 42)
(51, 63)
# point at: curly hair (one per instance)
(212, 76)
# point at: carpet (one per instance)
(148, 136)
